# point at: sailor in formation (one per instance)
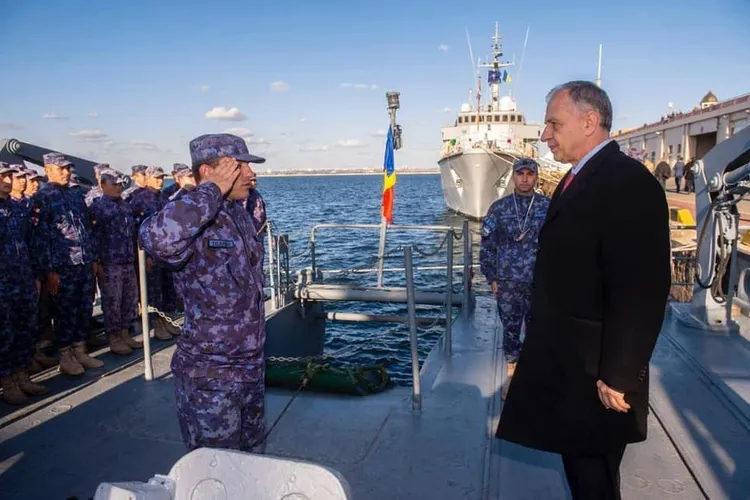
(219, 364)
(20, 181)
(96, 191)
(138, 174)
(65, 257)
(32, 183)
(256, 206)
(18, 296)
(143, 203)
(183, 180)
(114, 232)
(510, 234)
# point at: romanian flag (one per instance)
(389, 178)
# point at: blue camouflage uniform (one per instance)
(135, 169)
(143, 203)
(18, 295)
(114, 231)
(509, 260)
(219, 362)
(96, 191)
(62, 242)
(172, 296)
(256, 207)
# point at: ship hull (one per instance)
(474, 179)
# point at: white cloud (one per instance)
(443, 47)
(229, 115)
(240, 132)
(303, 119)
(279, 86)
(204, 88)
(447, 110)
(93, 114)
(380, 133)
(89, 134)
(257, 141)
(53, 116)
(351, 143)
(358, 86)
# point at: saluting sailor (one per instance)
(207, 235)
(510, 234)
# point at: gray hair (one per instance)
(587, 96)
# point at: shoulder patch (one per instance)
(220, 244)
(488, 225)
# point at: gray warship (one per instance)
(481, 145)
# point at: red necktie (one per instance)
(568, 180)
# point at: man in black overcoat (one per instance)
(601, 283)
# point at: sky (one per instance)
(128, 82)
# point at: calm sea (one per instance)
(296, 204)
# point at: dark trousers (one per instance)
(594, 477)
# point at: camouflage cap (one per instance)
(18, 170)
(99, 167)
(6, 169)
(528, 163)
(112, 176)
(56, 159)
(211, 146)
(35, 176)
(180, 169)
(138, 169)
(155, 172)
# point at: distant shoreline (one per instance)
(340, 174)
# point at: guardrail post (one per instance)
(449, 297)
(148, 368)
(271, 268)
(416, 394)
(467, 270)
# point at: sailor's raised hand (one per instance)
(224, 175)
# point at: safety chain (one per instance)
(177, 323)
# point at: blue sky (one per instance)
(132, 81)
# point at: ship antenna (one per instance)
(599, 68)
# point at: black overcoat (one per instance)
(601, 284)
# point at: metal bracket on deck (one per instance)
(722, 178)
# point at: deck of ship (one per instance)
(117, 427)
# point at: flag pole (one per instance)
(393, 105)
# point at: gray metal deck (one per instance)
(120, 428)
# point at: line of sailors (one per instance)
(59, 243)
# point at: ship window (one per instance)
(505, 118)
(460, 119)
(497, 118)
(473, 118)
(520, 118)
(481, 118)
(512, 118)
(679, 149)
(670, 149)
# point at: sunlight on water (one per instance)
(296, 204)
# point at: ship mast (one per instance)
(494, 75)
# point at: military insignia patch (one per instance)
(488, 225)
(220, 244)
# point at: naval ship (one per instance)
(480, 147)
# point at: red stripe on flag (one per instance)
(388, 205)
